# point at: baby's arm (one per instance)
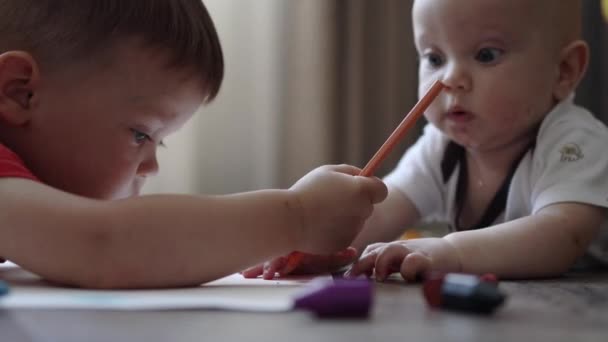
(389, 219)
(177, 240)
(544, 244)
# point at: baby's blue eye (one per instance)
(434, 59)
(140, 137)
(488, 55)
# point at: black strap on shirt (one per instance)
(455, 155)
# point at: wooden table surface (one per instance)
(573, 309)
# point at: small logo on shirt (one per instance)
(571, 152)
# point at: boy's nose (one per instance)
(456, 78)
(148, 167)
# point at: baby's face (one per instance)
(497, 64)
(96, 130)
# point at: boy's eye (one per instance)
(434, 59)
(140, 137)
(488, 55)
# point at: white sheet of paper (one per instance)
(230, 293)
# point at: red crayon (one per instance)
(463, 292)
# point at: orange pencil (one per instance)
(294, 258)
(405, 125)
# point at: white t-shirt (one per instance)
(569, 163)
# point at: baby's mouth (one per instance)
(459, 115)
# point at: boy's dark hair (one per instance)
(56, 32)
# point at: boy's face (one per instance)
(95, 128)
(497, 63)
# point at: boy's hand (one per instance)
(310, 264)
(409, 257)
(334, 203)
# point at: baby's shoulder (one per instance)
(571, 131)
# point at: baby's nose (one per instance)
(457, 78)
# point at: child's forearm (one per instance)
(544, 244)
(173, 240)
(181, 240)
(197, 239)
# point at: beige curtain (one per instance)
(593, 92)
(377, 77)
(307, 83)
(366, 84)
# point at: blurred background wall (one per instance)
(310, 82)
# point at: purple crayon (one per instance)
(339, 298)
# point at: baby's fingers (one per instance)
(365, 265)
(389, 260)
(414, 264)
(373, 248)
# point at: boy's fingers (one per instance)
(286, 267)
(338, 261)
(343, 257)
(347, 169)
(414, 264)
(375, 188)
(253, 272)
(313, 264)
(347, 252)
(271, 267)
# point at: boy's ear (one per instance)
(19, 78)
(573, 63)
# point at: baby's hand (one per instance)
(310, 264)
(409, 257)
(334, 203)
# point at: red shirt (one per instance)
(12, 166)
